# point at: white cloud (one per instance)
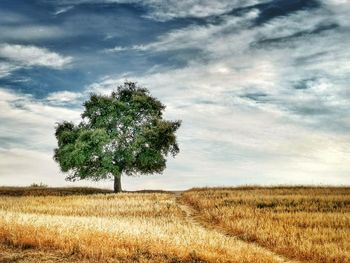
(29, 31)
(164, 10)
(33, 56)
(6, 69)
(63, 97)
(337, 3)
(63, 10)
(28, 123)
(235, 59)
(191, 36)
(116, 49)
(167, 10)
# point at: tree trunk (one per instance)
(117, 184)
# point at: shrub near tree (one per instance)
(120, 134)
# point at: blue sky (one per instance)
(262, 86)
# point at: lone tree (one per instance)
(123, 133)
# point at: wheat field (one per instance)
(128, 227)
(200, 225)
(301, 223)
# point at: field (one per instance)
(306, 224)
(200, 225)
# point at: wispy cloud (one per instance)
(6, 69)
(33, 56)
(30, 32)
(272, 59)
(167, 10)
(118, 49)
(63, 10)
(164, 10)
(64, 97)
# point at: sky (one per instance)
(261, 86)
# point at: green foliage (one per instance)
(40, 185)
(123, 133)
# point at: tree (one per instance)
(123, 133)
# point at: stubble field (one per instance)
(201, 225)
(306, 224)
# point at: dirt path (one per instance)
(191, 216)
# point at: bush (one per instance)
(40, 185)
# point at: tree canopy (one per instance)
(123, 133)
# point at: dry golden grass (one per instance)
(18, 255)
(302, 223)
(128, 227)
